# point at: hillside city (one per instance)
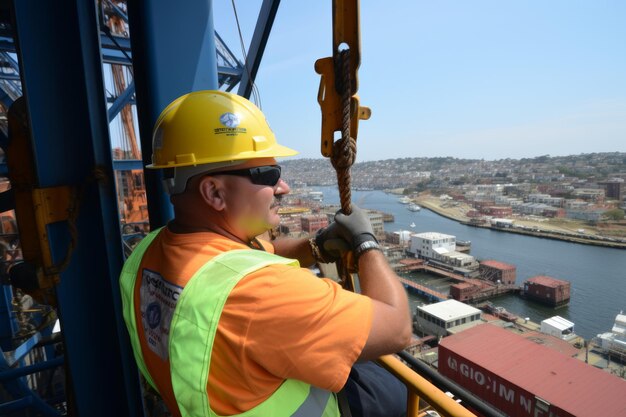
(581, 195)
(563, 172)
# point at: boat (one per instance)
(499, 312)
(412, 224)
(316, 195)
(404, 200)
(414, 207)
(614, 341)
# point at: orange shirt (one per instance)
(279, 322)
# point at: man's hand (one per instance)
(356, 227)
(330, 243)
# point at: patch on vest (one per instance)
(158, 298)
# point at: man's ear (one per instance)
(211, 191)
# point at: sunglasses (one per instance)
(266, 175)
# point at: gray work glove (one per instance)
(356, 227)
(330, 243)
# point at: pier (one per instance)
(422, 290)
(469, 289)
(412, 265)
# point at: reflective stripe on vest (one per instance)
(193, 330)
(128, 278)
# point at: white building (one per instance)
(535, 209)
(431, 245)
(502, 200)
(459, 260)
(501, 222)
(376, 219)
(446, 317)
(442, 248)
(403, 237)
(546, 199)
(559, 327)
(589, 215)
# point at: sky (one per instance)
(484, 79)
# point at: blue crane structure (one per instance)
(52, 55)
(70, 75)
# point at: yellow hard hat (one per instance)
(212, 127)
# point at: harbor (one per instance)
(596, 274)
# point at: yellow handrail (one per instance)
(418, 387)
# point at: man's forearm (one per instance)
(379, 282)
(391, 320)
(299, 249)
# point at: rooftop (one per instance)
(559, 323)
(433, 236)
(497, 265)
(547, 281)
(449, 309)
(541, 371)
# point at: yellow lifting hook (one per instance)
(346, 34)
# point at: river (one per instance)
(597, 274)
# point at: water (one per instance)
(597, 274)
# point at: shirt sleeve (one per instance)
(306, 328)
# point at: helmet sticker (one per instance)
(230, 120)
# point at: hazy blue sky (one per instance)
(469, 79)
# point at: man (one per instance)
(252, 332)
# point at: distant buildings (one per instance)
(313, 222)
(615, 188)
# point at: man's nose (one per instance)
(282, 187)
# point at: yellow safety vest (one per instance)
(192, 332)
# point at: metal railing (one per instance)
(425, 383)
(418, 387)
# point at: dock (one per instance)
(413, 265)
(422, 290)
(479, 289)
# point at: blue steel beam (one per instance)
(111, 99)
(224, 52)
(30, 369)
(121, 101)
(69, 143)
(172, 63)
(127, 164)
(7, 202)
(234, 72)
(8, 321)
(257, 45)
(5, 99)
(111, 54)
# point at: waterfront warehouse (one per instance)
(524, 378)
